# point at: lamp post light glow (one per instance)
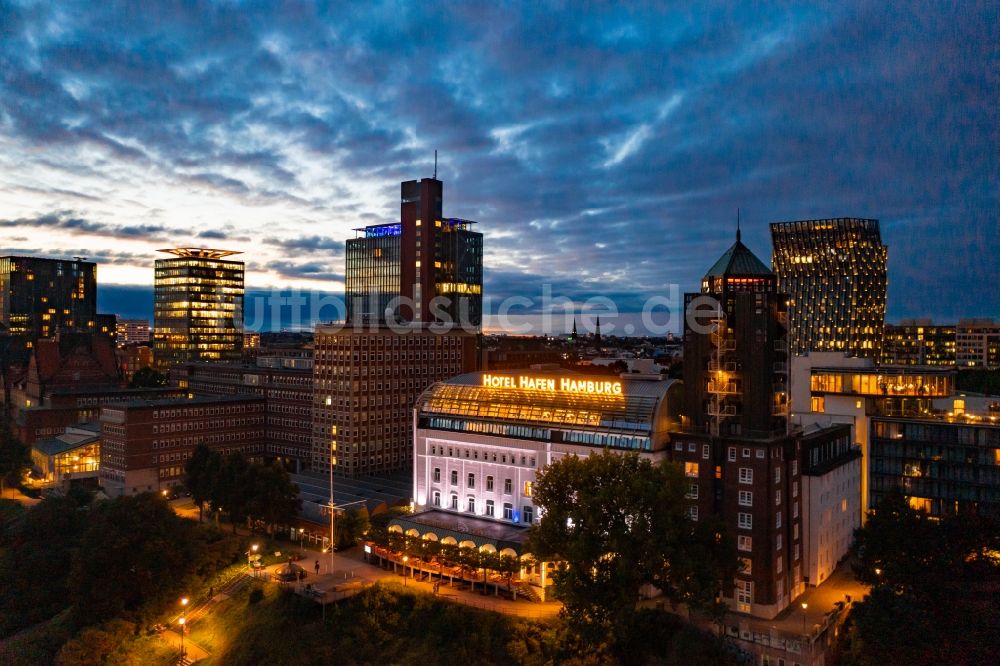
(181, 623)
(804, 607)
(405, 560)
(301, 537)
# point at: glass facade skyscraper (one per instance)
(397, 270)
(39, 297)
(198, 308)
(834, 272)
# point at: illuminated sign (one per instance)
(561, 384)
(383, 230)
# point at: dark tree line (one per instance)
(126, 558)
(935, 588)
(245, 491)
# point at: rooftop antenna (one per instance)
(435, 165)
(737, 224)
(79, 258)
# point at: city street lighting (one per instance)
(301, 530)
(804, 607)
(405, 560)
(181, 623)
(251, 556)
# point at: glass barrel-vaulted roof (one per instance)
(633, 409)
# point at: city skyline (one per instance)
(278, 132)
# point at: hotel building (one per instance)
(426, 268)
(834, 272)
(198, 308)
(365, 383)
(144, 445)
(482, 438)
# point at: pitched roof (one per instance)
(738, 260)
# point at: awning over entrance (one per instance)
(445, 527)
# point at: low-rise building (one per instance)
(72, 456)
(144, 445)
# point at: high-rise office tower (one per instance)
(834, 272)
(365, 383)
(39, 297)
(402, 268)
(198, 309)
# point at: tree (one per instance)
(41, 544)
(147, 378)
(15, 457)
(273, 498)
(230, 492)
(613, 523)
(201, 472)
(134, 555)
(933, 581)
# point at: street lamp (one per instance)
(405, 560)
(251, 555)
(804, 607)
(301, 530)
(181, 623)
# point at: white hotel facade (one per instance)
(481, 439)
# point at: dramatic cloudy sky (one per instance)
(604, 150)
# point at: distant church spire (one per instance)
(597, 333)
(573, 334)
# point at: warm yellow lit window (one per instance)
(691, 469)
(417, 263)
(817, 404)
(377, 252)
(418, 223)
(527, 488)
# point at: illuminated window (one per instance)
(527, 488)
(744, 543)
(691, 469)
(818, 404)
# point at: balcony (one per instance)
(721, 366)
(781, 367)
(716, 408)
(728, 388)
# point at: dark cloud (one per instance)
(604, 150)
(66, 221)
(310, 270)
(307, 244)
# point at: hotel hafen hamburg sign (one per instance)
(553, 384)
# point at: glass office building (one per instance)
(198, 308)
(834, 272)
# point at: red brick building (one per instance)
(285, 384)
(365, 384)
(144, 445)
